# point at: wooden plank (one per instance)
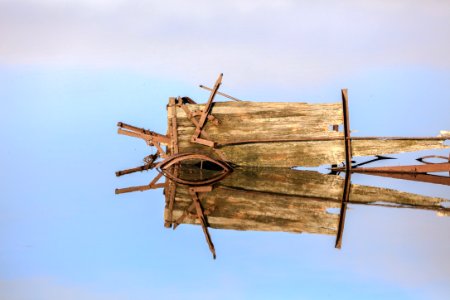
(174, 126)
(289, 122)
(172, 148)
(248, 120)
(380, 147)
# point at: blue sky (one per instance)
(70, 70)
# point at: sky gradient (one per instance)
(70, 70)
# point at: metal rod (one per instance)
(413, 169)
(142, 133)
(444, 180)
(222, 94)
(348, 168)
(134, 128)
(207, 108)
(135, 134)
(137, 169)
(348, 145)
(321, 139)
(140, 188)
(202, 219)
(345, 200)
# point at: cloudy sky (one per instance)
(283, 41)
(69, 70)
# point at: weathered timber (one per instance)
(172, 149)
(267, 134)
(379, 147)
(275, 199)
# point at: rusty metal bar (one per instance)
(219, 93)
(206, 109)
(402, 138)
(202, 219)
(138, 135)
(348, 145)
(420, 177)
(141, 188)
(133, 128)
(321, 139)
(162, 153)
(142, 133)
(204, 142)
(343, 212)
(137, 169)
(188, 100)
(211, 118)
(198, 140)
(175, 159)
(348, 167)
(426, 168)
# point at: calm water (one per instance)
(65, 234)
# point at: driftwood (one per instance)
(266, 134)
(260, 143)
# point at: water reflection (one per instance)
(275, 199)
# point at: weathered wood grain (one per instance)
(249, 120)
(275, 199)
(241, 121)
(379, 147)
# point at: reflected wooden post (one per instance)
(345, 198)
(348, 169)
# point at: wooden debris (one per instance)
(289, 134)
(274, 199)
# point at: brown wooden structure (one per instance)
(256, 144)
